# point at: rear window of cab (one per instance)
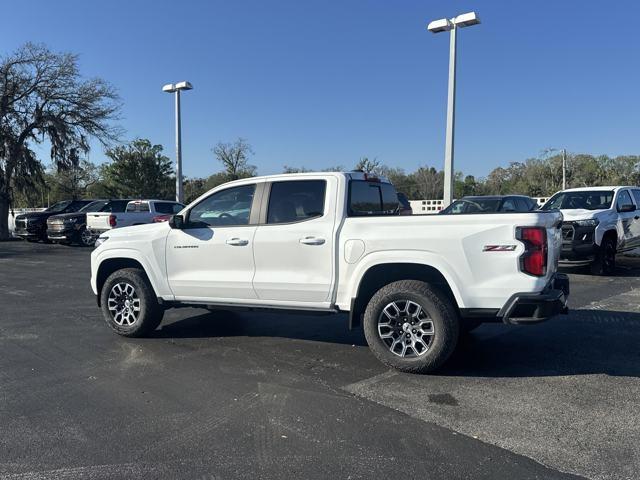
(372, 198)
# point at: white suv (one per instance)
(598, 223)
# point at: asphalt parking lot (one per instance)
(255, 395)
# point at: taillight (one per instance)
(534, 259)
(112, 220)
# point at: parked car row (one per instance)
(81, 221)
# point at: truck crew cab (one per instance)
(334, 242)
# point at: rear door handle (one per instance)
(312, 240)
(237, 242)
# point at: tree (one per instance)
(138, 169)
(73, 182)
(193, 188)
(369, 166)
(288, 169)
(235, 159)
(44, 98)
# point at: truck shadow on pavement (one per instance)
(320, 328)
(585, 342)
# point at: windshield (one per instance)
(58, 207)
(588, 200)
(94, 206)
(473, 205)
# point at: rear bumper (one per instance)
(524, 308)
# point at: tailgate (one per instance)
(98, 221)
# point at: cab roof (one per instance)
(597, 189)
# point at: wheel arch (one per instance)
(379, 275)
(110, 265)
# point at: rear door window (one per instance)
(296, 201)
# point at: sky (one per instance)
(317, 84)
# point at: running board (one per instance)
(247, 306)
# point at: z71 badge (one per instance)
(499, 248)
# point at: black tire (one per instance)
(150, 312)
(605, 261)
(441, 314)
(84, 238)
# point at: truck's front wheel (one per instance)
(129, 304)
(605, 261)
(411, 326)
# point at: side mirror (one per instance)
(627, 208)
(177, 222)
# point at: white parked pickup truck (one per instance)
(334, 242)
(137, 212)
(599, 222)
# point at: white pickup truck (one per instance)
(599, 222)
(334, 242)
(137, 212)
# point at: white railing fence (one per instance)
(422, 207)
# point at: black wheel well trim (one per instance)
(110, 265)
(379, 275)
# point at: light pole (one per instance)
(175, 88)
(564, 169)
(451, 25)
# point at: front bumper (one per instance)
(525, 308)
(578, 244)
(30, 233)
(61, 235)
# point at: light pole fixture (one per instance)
(176, 88)
(451, 25)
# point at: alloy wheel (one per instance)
(124, 304)
(86, 238)
(405, 328)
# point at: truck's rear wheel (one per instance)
(411, 326)
(129, 304)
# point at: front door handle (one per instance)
(237, 242)
(312, 240)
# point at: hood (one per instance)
(68, 216)
(135, 231)
(571, 214)
(34, 215)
